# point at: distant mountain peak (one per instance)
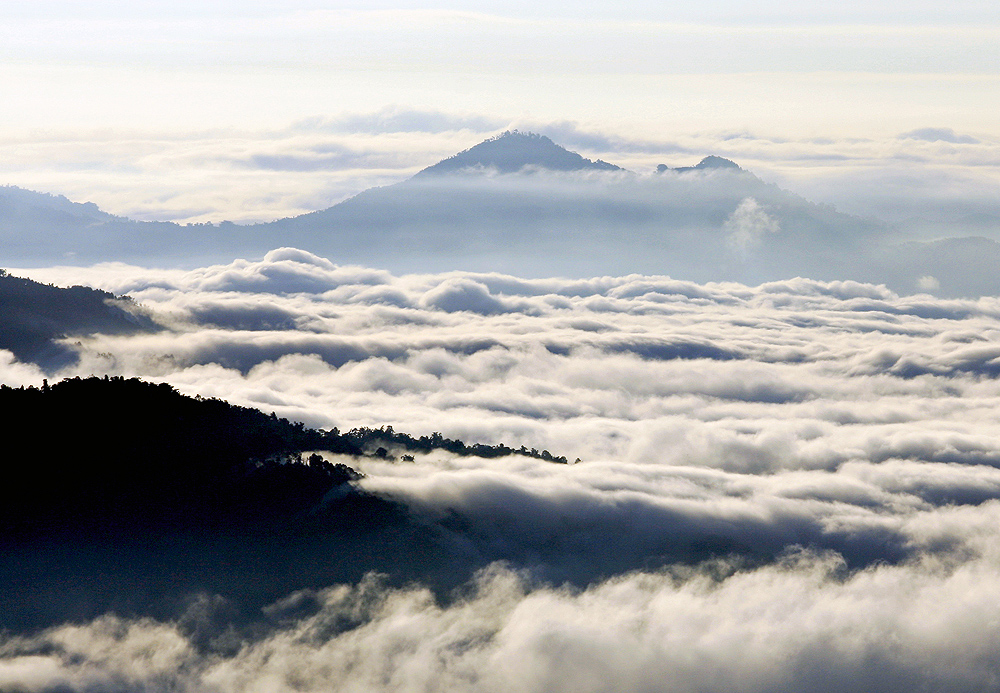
(512, 151)
(709, 162)
(28, 203)
(716, 162)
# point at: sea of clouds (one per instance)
(786, 487)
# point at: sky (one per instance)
(167, 110)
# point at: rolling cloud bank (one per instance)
(786, 486)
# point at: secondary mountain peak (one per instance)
(716, 162)
(511, 151)
(709, 162)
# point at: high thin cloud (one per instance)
(393, 119)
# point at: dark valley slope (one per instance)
(34, 317)
(127, 497)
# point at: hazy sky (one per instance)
(154, 110)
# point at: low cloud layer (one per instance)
(638, 351)
(784, 487)
(799, 625)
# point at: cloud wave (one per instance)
(791, 486)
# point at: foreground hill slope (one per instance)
(134, 455)
(127, 497)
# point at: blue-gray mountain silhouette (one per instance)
(520, 203)
(579, 221)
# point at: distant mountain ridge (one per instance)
(540, 210)
(18, 205)
(524, 222)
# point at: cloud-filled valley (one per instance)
(789, 486)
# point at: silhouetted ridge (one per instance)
(512, 151)
(127, 496)
(131, 454)
(35, 315)
(129, 451)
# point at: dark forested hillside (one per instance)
(114, 452)
(35, 315)
(128, 496)
(117, 452)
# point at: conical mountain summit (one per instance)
(513, 151)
